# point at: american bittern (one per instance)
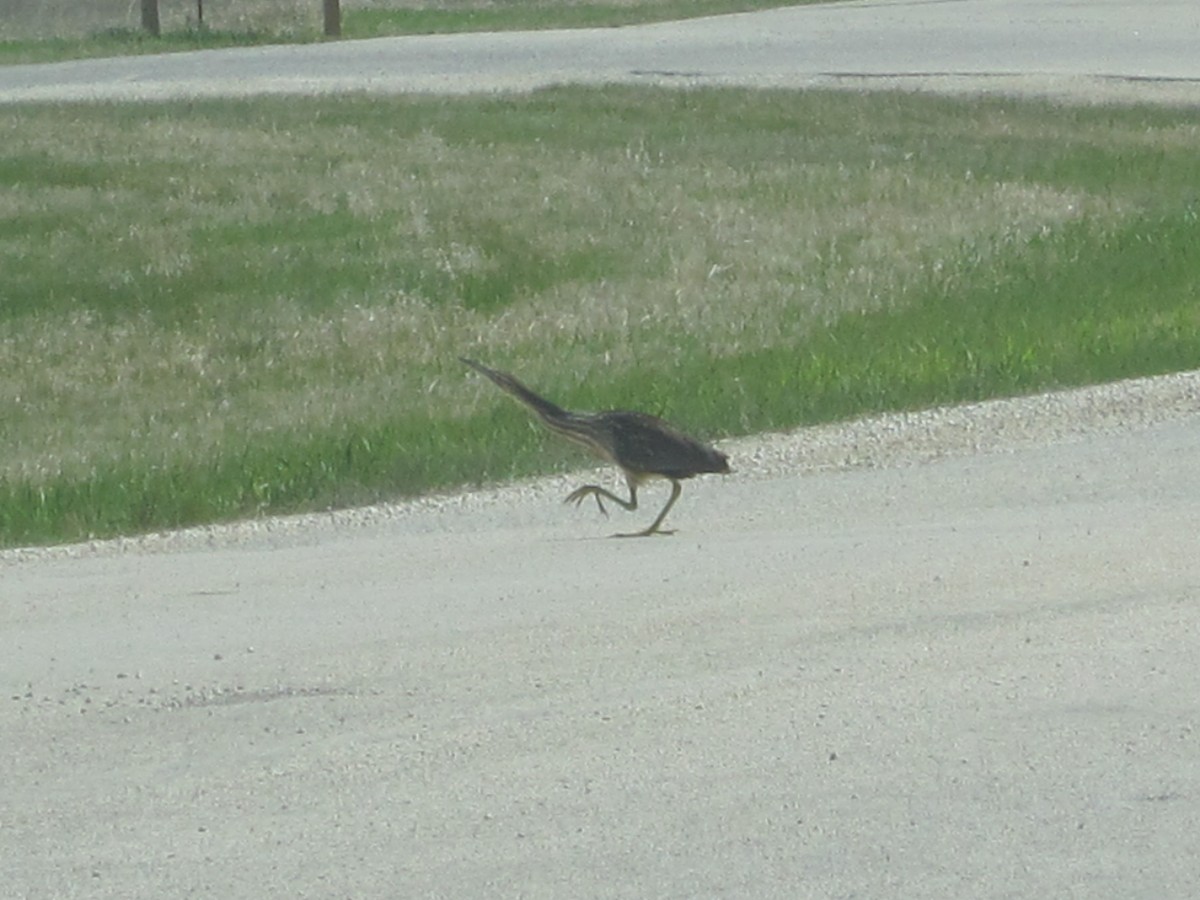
(640, 445)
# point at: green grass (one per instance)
(74, 30)
(132, 41)
(437, 18)
(232, 308)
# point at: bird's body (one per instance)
(641, 445)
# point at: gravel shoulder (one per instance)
(889, 441)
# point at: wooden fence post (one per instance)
(150, 17)
(333, 18)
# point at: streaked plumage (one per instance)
(641, 445)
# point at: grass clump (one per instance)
(241, 307)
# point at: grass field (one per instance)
(223, 309)
(46, 30)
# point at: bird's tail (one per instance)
(547, 411)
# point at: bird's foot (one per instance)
(578, 495)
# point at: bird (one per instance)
(642, 446)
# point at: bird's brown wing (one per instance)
(646, 444)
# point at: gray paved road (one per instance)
(997, 39)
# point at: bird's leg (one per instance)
(594, 490)
(676, 488)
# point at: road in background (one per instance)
(1031, 45)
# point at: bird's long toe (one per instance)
(580, 494)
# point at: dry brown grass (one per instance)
(711, 253)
